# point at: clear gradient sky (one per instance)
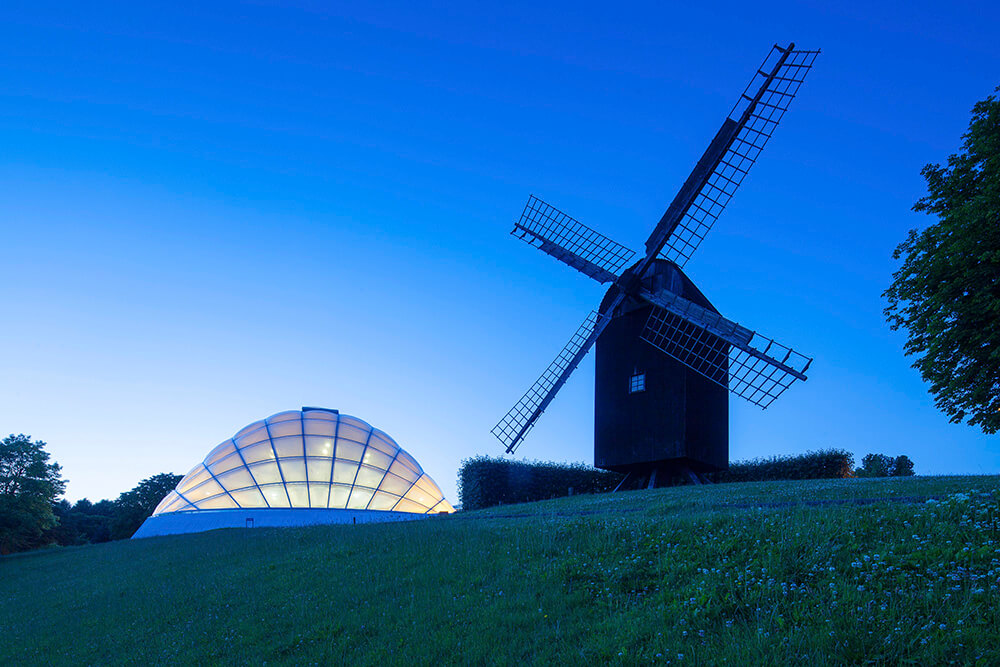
(212, 213)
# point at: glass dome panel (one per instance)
(376, 459)
(319, 494)
(275, 495)
(207, 489)
(323, 415)
(262, 451)
(220, 502)
(351, 432)
(368, 477)
(220, 452)
(284, 417)
(382, 501)
(345, 472)
(319, 445)
(266, 472)
(320, 427)
(228, 463)
(290, 446)
(237, 478)
(293, 470)
(400, 470)
(443, 506)
(359, 498)
(383, 443)
(248, 497)
(248, 429)
(339, 494)
(298, 493)
(193, 479)
(393, 484)
(286, 428)
(319, 469)
(409, 462)
(407, 505)
(249, 438)
(349, 450)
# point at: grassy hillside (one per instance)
(832, 572)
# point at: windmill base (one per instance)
(656, 477)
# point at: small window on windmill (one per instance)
(637, 382)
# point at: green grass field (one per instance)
(830, 572)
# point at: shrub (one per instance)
(485, 482)
(824, 464)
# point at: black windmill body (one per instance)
(666, 358)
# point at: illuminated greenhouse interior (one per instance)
(310, 458)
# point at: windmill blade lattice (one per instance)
(755, 368)
(757, 114)
(521, 418)
(570, 241)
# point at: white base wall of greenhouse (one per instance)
(176, 523)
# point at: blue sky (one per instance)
(211, 214)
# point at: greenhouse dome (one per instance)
(296, 468)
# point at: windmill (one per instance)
(666, 358)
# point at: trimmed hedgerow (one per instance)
(485, 482)
(824, 464)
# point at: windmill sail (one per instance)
(744, 362)
(729, 157)
(518, 421)
(570, 241)
(750, 365)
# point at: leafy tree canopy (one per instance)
(946, 294)
(902, 466)
(29, 485)
(880, 465)
(82, 523)
(135, 506)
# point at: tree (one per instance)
(946, 293)
(82, 523)
(29, 485)
(902, 466)
(135, 506)
(880, 465)
(874, 465)
(104, 508)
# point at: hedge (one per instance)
(486, 482)
(824, 464)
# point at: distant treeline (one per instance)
(880, 465)
(31, 517)
(85, 522)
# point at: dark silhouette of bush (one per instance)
(880, 465)
(82, 523)
(876, 465)
(486, 482)
(824, 464)
(902, 466)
